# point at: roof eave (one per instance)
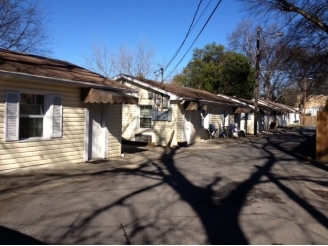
(25, 76)
(218, 103)
(171, 95)
(241, 103)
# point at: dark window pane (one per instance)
(145, 111)
(30, 127)
(165, 102)
(31, 104)
(145, 122)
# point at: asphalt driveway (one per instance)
(259, 191)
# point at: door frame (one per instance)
(104, 131)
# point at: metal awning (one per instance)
(245, 110)
(282, 112)
(265, 111)
(192, 105)
(91, 95)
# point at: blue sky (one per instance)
(75, 26)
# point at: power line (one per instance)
(201, 14)
(217, 5)
(187, 34)
(189, 30)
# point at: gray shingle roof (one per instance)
(184, 92)
(17, 62)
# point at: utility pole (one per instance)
(162, 72)
(257, 81)
(304, 102)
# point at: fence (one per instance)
(322, 137)
(309, 120)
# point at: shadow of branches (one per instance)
(178, 197)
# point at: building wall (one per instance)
(198, 131)
(114, 130)
(180, 122)
(129, 121)
(217, 116)
(161, 131)
(68, 149)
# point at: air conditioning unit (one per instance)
(139, 137)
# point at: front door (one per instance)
(96, 136)
(187, 126)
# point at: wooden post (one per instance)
(304, 102)
(171, 138)
(322, 137)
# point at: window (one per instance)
(145, 116)
(158, 100)
(165, 102)
(30, 115)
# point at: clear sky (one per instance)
(76, 25)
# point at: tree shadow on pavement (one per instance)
(219, 213)
(12, 237)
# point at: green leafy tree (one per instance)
(218, 71)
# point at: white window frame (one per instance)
(52, 114)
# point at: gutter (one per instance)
(270, 105)
(218, 103)
(25, 76)
(281, 106)
(236, 100)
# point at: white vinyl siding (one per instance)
(57, 116)
(180, 122)
(114, 130)
(68, 149)
(216, 118)
(129, 121)
(198, 132)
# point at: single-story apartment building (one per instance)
(168, 114)
(53, 112)
(281, 114)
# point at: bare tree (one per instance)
(305, 24)
(100, 60)
(306, 15)
(243, 39)
(307, 70)
(136, 61)
(272, 75)
(22, 27)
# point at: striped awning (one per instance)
(245, 110)
(91, 95)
